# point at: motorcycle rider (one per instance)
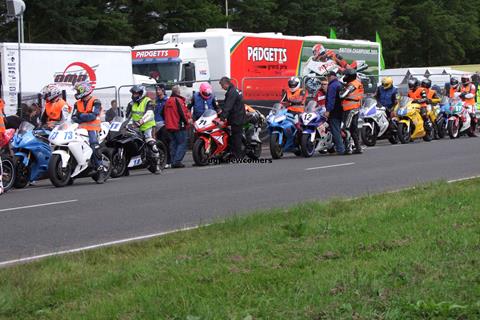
(86, 112)
(141, 111)
(453, 87)
(322, 54)
(386, 95)
(414, 89)
(56, 109)
(352, 95)
(295, 97)
(203, 100)
(432, 95)
(467, 94)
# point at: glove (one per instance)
(330, 54)
(462, 95)
(75, 119)
(136, 124)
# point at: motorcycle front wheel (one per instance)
(452, 129)
(59, 176)
(22, 175)
(441, 128)
(199, 154)
(255, 151)
(275, 147)
(307, 146)
(8, 172)
(369, 136)
(119, 164)
(403, 133)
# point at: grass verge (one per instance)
(406, 255)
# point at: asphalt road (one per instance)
(86, 214)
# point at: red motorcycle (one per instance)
(7, 163)
(211, 141)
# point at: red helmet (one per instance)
(318, 50)
(205, 90)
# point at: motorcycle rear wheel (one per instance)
(9, 172)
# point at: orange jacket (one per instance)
(417, 94)
(81, 108)
(470, 88)
(2, 121)
(354, 99)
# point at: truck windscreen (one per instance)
(165, 71)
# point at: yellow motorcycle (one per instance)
(410, 122)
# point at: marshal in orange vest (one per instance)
(354, 99)
(54, 110)
(296, 100)
(470, 88)
(82, 108)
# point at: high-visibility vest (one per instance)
(416, 94)
(2, 121)
(296, 100)
(451, 94)
(93, 125)
(470, 88)
(138, 111)
(54, 110)
(354, 99)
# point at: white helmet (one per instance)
(294, 84)
(50, 92)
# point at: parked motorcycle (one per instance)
(282, 127)
(459, 121)
(7, 164)
(410, 123)
(442, 115)
(129, 149)
(32, 154)
(251, 134)
(375, 124)
(72, 155)
(316, 135)
(212, 136)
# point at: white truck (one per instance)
(41, 64)
(258, 63)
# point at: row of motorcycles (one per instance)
(63, 153)
(450, 117)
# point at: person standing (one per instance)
(177, 120)
(352, 96)
(321, 95)
(162, 133)
(234, 112)
(113, 111)
(334, 111)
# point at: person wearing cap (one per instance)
(234, 112)
(386, 95)
(335, 111)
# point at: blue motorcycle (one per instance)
(32, 153)
(441, 121)
(316, 135)
(283, 132)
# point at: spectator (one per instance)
(113, 111)
(321, 96)
(234, 112)
(177, 120)
(335, 111)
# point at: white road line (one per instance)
(463, 179)
(38, 205)
(211, 167)
(331, 166)
(95, 246)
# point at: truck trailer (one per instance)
(258, 63)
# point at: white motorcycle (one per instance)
(375, 124)
(72, 155)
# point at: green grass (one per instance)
(408, 255)
(467, 67)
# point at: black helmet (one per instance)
(349, 75)
(413, 83)
(140, 90)
(426, 83)
(453, 82)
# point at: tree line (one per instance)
(414, 33)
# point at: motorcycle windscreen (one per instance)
(369, 102)
(25, 127)
(311, 107)
(209, 113)
(404, 101)
(277, 107)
